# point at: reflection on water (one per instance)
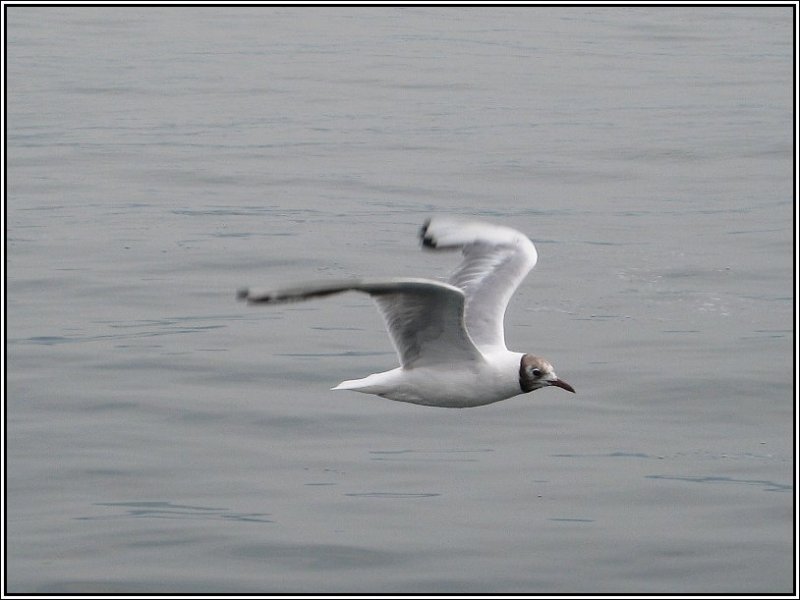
(392, 495)
(768, 486)
(167, 510)
(454, 455)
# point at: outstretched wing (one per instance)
(425, 318)
(496, 260)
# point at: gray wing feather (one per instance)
(425, 318)
(496, 260)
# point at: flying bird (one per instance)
(449, 337)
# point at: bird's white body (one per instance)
(449, 337)
(460, 386)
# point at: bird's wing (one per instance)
(425, 318)
(496, 260)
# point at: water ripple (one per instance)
(167, 510)
(769, 486)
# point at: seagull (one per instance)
(449, 337)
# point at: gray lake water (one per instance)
(162, 437)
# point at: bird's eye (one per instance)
(536, 372)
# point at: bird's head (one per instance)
(535, 373)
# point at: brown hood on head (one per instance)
(535, 373)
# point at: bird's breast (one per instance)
(456, 386)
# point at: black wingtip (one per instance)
(427, 240)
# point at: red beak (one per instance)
(563, 385)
